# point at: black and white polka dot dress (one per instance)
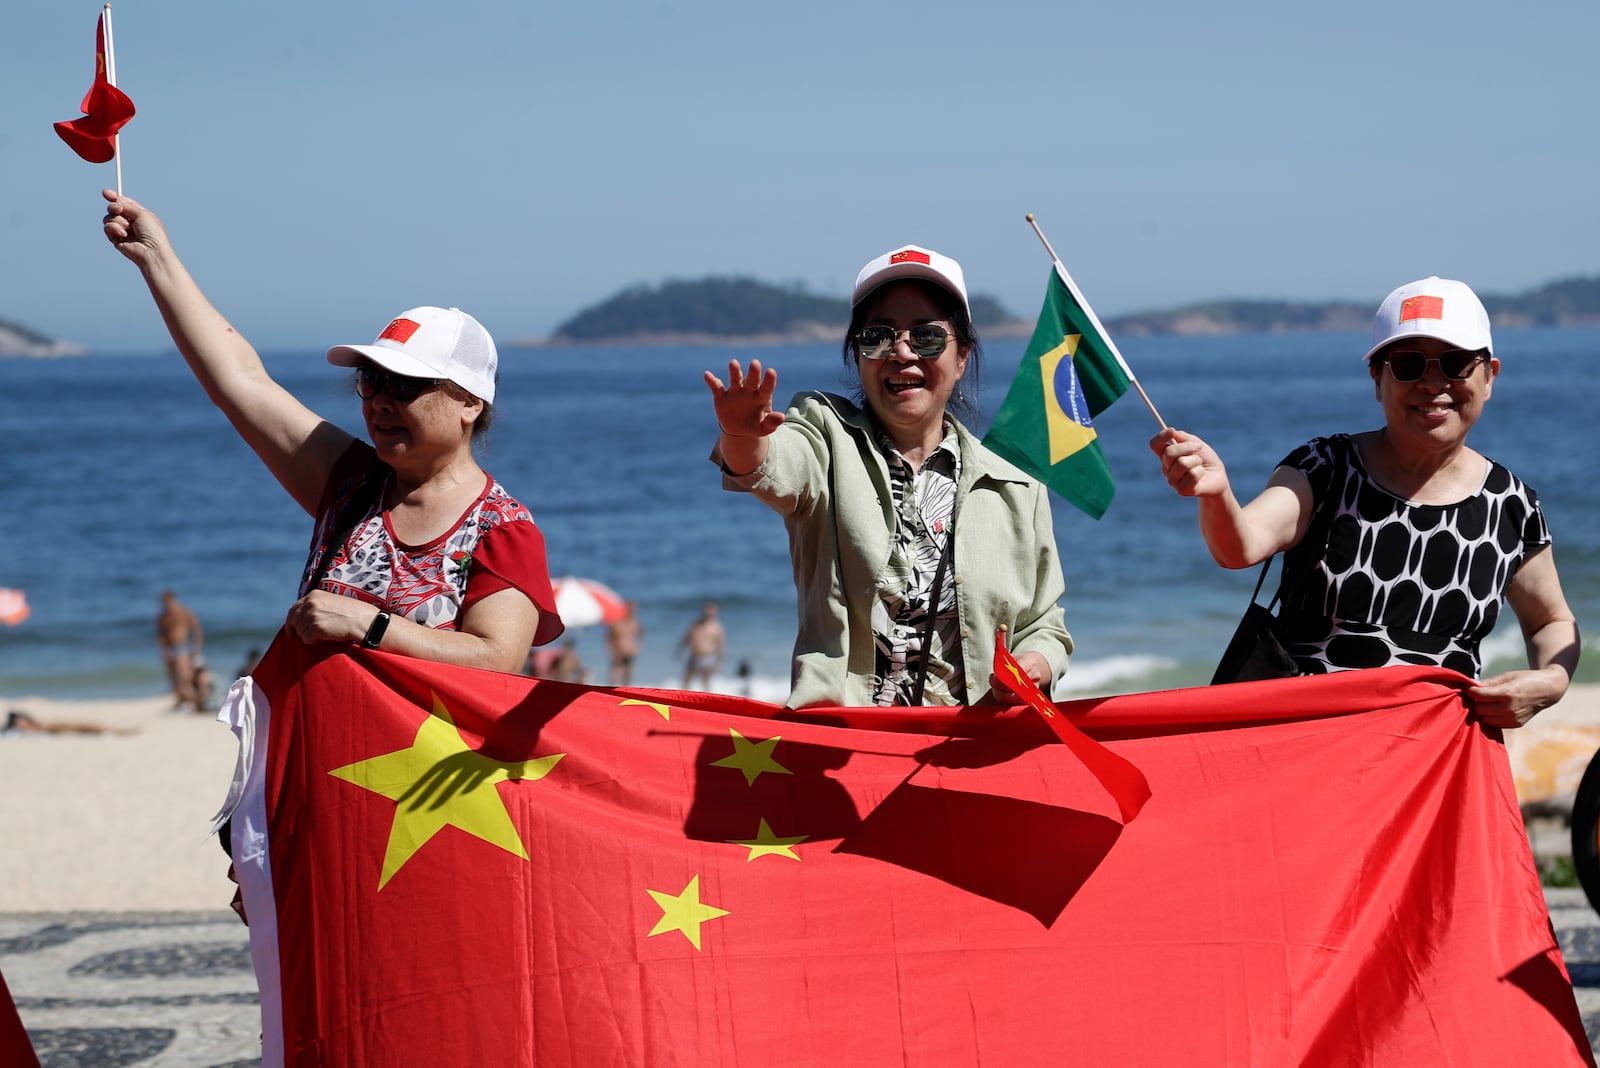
(1401, 582)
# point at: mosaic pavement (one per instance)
(157, 990)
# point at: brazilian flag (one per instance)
(1070, 373)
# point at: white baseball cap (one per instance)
(1435, 307)
(911, 261)
(430, 342)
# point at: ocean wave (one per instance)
(1112, 672)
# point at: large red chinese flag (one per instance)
(454, 867)
(106, 109)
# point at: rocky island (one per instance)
(18, 340)
(730, 311)
(744, 311)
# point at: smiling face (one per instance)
(907, 393)
(1434, 411)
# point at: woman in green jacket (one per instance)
(892, 506)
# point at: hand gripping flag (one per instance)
(1123, 781)
(1070, 373)
(449, 866)
(106, 109)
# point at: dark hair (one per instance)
(953, 309)
(480, 425)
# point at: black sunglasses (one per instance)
(369, 380)
(927, 341)
(1408, 365)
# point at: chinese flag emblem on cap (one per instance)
(399, 331)
(909, 255)
(1421, 308)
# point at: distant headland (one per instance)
(727, 311)
(18, 340)
(744, 311)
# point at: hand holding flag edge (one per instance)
(1122, 780)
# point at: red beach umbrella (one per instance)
(584, 602)
(13, 607)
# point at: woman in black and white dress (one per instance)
(1402, 542)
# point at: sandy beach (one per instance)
(111, 821)
(120, 821)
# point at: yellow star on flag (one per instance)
(752, 758)
(1016, 673)
(665, 711)
(440, 782)
(683, 912)
(767, 844)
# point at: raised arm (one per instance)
(744, 415)
(1238, 535)
(297, 445)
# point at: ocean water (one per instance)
(118, 479)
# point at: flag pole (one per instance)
(111, 77)
(1093, 318)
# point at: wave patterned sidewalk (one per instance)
(175, 989)
(157, 990)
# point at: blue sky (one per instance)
(322, 166)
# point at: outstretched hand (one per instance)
(744, 405)
(133, 229)
(1192, 467)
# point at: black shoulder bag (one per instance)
(1256, 649)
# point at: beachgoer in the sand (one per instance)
(251, 658)
(541, 661)
(24, 723)
(912, 544)
(202, 685)
(623, 640)
(1402, 543)
(567, 666)
(704, 642)
(180, 638)
(416, 549)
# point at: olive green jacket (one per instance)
(826, 477)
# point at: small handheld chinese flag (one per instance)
(1125, 783)
(106, 109)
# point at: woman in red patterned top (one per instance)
(416, 549)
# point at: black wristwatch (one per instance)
(380, 623)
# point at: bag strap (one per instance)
(1266, 565)
(1318, 533)
(933, 614)
(355, 508)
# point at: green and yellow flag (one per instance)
(1070, 373)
